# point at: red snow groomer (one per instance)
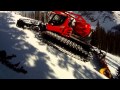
(71, 31)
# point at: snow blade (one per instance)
(101, 61)
(106, 72)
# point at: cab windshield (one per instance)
(57, 19)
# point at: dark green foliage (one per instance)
(107, 41)
(38, 15)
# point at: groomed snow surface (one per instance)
(40, 60)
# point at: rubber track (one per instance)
(57, 40)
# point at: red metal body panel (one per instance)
(81, 27)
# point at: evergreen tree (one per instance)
(37, 15)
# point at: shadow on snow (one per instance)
(13, 41)
(79, 72)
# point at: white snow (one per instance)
(40, 60)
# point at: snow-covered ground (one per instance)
(40, 60)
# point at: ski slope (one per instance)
(40, 60)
